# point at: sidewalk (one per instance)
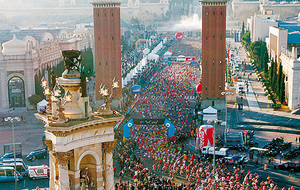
(257, 112)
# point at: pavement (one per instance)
(257, 113)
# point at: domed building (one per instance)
(20, 60)
(30, 52)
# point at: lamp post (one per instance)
(107, 98)
(61, 101)
(12, 119)
(47, 93)
(225, 131)
(214, 153)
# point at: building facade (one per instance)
(107, 36)
(259, 26)
(145, 11)
(20, 61)
(277, 42)
(213, 53)
(291, 68)
(28, 53)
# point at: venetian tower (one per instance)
(107, 36)
(213, 53)
(80, 143)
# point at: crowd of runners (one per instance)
(149, 159)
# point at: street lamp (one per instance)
(214, 154)
(107, 98)
(12, 119)
(47, 93)
(61, 101)
(225, 131)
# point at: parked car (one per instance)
(290, 165)
(236, 160)
(11, 155)
(229, 160)
(7, 174)
(22, 169)
(292, 153)
(35, 172)
(37, 154)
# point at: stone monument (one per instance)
(80, 143)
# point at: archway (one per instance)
(16, 92)
(88, 172)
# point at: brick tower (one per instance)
(107, 35)
(213, 53)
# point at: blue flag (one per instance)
(126, 128)
(171, 129)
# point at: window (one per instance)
(2, 173)
(112, 38)
(104, 14)
(98, 15)
(221, 12)
(214, 13)
(106, 62)
(206, 13)
(206, 37)
(220, 87)
(213, 36)
(112, 14)
(213, 62)
(98, 38)
(20, 169)
(220, 62)
(9, 173)
(221, 37)
(206, 88)
(40, 171)
(213, 103)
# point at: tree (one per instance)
(243, 28)
(274, 78)
(279, 76)
(265, 61)
(34, 99)
(246, 40)
(282, 89)
(259, 52)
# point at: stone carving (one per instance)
(85, 179)
(49, 144)
(108, 147)
(63, 157)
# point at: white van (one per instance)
(35, 172)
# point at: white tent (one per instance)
(210, 114)
(210, 110)
(146, 51)
(153, 56)
(42, 105)
(167, 54)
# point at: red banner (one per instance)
(190, 58)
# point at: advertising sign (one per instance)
(205, 136)
(190, 58)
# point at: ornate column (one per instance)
(99, 171)
(51, 164)
(63, 158)
(108, 148)
(77, 179)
